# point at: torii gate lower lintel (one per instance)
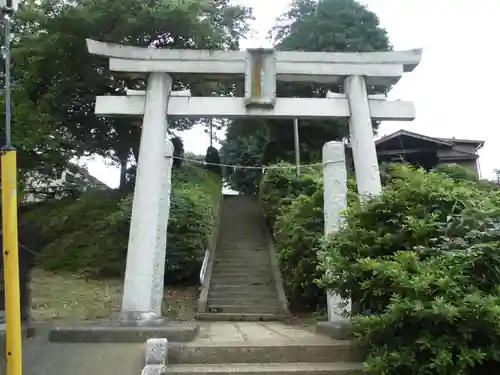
(261, 68)
(182, 104)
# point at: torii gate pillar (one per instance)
(142, 273)
(361, 132)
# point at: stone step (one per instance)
(249, 280)
(243, 235)
(241, 247)
(248, 233)
(238, 301)
(236, 289)
(262, 352)
(254, 271)
(244, 258)
(269, 369)
(242, 266)
(232, 253)
(241, 220)
(242, 252)
(239, 266)
(269, 294)
(226, 274)
(234, 317)
(251, 271)
(248, 222)
(243, 269)
(246, 279)
(253, 276)
(237, 309)
(243, 229)
(248, 225)
(242, 284)
(241, 263)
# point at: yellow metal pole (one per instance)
(13, 345)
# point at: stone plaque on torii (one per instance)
(262, 68)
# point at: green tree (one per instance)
(56, 80)
(244, 146)
(312, 25)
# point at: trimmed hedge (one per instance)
(90, 234)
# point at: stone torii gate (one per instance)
(143, 290)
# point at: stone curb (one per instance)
(99, 332)
(155, 356)
(156, 352)
(153, 370)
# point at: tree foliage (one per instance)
(324, 25)
(243, 146)
(212, 158)
(56, 80)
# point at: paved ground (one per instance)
(41, 357)
(256, 333)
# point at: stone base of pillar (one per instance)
(125, 328)
(338, 330)
(137, 318)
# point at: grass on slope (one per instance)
(72, 297)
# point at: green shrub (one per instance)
(90, 234)
(281, 181)
(436, 322)
(422, 265)
(294, 208)
(57, 217)
(194, 216)
(457, 172)
(405, 215)
(298, 231)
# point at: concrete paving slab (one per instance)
(258, 333)
(41, 357)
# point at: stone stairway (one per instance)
(242, 285)
(246, 348)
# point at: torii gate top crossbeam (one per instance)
(379, 68)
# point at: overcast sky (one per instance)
(455, 88)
